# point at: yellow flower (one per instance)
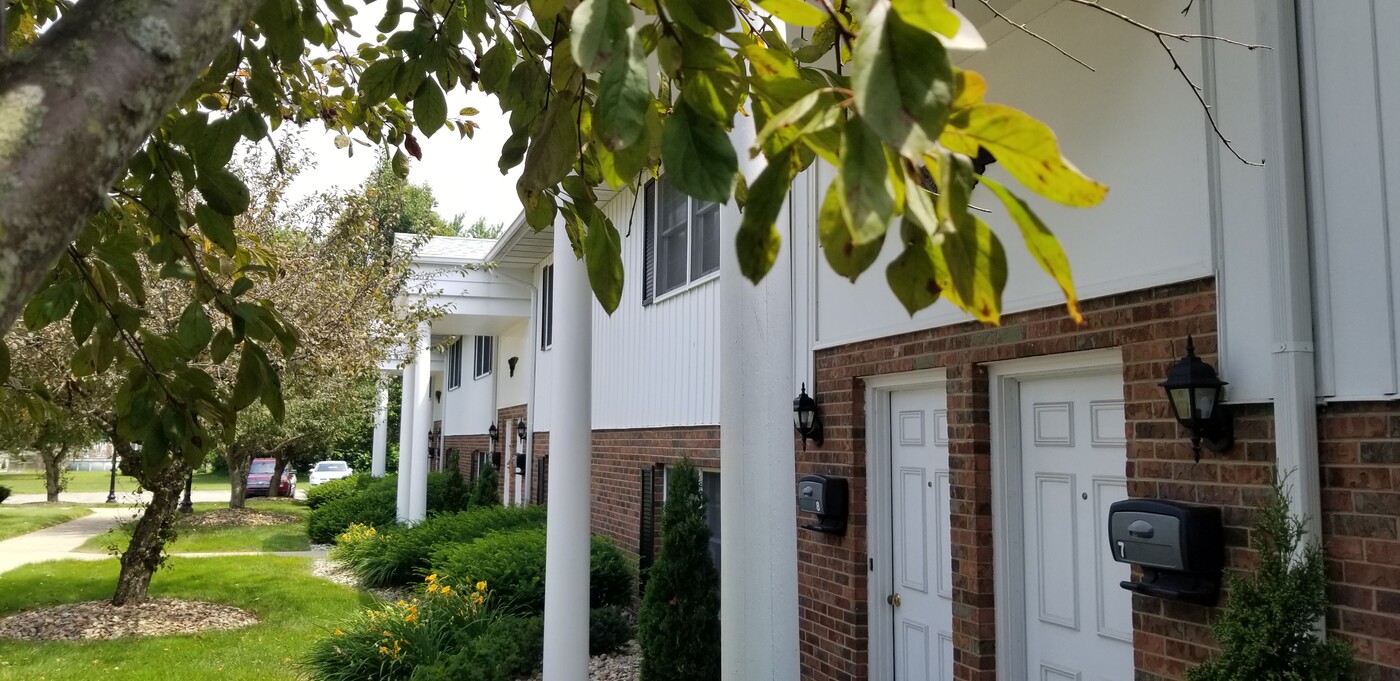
(447, 589)
(481, 586)
(410, 618)
(432, 577)
(383, 650)
(339, 632)
(387, 634)
(432, 588)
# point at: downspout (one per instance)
(534, 364)
(1295, 400)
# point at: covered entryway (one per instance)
(912, 575)
(1060, 459)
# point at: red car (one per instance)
(260, 475)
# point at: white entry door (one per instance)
(922, 563)
(1073, 456)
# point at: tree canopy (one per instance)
(119, 119)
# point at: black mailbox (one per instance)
(826, 498)
(1179, 547)
(520, 464)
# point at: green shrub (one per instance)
(678, 626)
(325, 493)
(513, 564)
(487, 490)
(357, 543)
(456, 494)
(1266, 629)
(372, 506)
(510, 648)
(392, 640)
(401, 556)
(4, 493)
(608, 630)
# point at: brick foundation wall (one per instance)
(465, 446)
(1360, 449)
(618, 457)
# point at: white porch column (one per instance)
(381, 432)
(422, 423)
(571, 456)
(758, 576)
(406, 406)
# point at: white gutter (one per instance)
(1290, 277)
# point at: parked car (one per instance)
(326, 471)
(260, 475)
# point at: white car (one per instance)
(326, 471)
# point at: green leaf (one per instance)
(216, 227)
(698, 157)
(758, 240)
(713, 83)
(544, 10)
(903, 82)
(1041, 243)
(50, 305)
(1027, 149)
(973, 254)
(240, 286)
(221, 347)
(933, 16)
(795, 12)
(701, 16)
(865, 178)
(602, 256)
(429, 107)
(600, 32)
(846, 257)
(253, 371)
(554, 148)
(83, 320)
(392, 10)
(377, 82)
(540, 208)
(496, 66)
(223, 191)
(620, 167)
(914, 274)
(399, 164)
(619, 117)
(194, 330)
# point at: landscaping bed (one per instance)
(101, 620)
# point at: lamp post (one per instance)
(187, 506)
(1194, 392)
(112, 485)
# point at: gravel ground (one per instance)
(624, 665)
(337, 572)
(102, 620)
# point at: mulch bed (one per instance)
(93, 620)
(237, 517)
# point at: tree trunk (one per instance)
(53, 473)
(238, 465)
(274, 486)
(153, 530)
(77, 104)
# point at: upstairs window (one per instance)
(482, 355)
(547, 307)
(680, 242)
(454, 365)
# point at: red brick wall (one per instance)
(539, 453)
(618, 457)
(832, 579)
(509, 444)
(1360, 451)
(465, 446)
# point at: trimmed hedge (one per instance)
(371, 502)
(513, 647)
(327, 492)
(512, 564)
(403, 555)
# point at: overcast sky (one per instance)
(462, 173)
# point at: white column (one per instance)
(406, 407)
(422, 423)
(758, 576)
(571, 455)
(381, 432)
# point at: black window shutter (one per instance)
(646, 534)
(542, 492)
(648, 242)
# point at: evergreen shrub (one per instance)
(403, 555)
(678, 626)
(513, 564)
(327, 492)
(1266, 630)
(487, 490)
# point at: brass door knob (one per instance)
(893, 599)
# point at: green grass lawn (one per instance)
(292, 606)
(25, 518)
(289, 537)
(97, 481)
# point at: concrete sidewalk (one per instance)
(126, 498)
(60, 541)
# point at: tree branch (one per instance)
(1026, 29)
(76, 105)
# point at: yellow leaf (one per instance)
(795, 12)
(1026, 148)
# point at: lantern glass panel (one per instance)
(1205, 402)
(1181, 403)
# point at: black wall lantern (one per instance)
(805, 418)
(1194, 392)
(495, 434)
(512, 362)
(521, 430)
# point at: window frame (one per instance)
(547, 306)
(454, 365)
(483, 356)
(695, 208)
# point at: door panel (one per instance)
(920, 515)
(1073, 459)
